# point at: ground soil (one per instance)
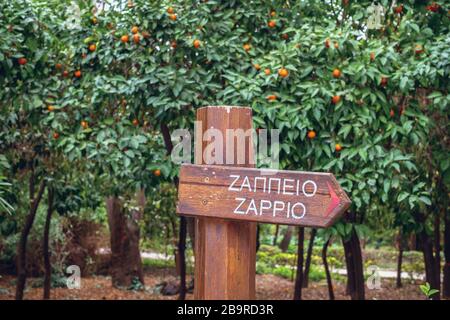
(267, 287)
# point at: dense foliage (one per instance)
(85, 91)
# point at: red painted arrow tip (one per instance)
(334, 203)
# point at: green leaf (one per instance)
(425, 200)
(402, 196)
(109, 121)
(431, 292)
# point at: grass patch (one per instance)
(158, 264)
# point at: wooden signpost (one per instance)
(228, 201)
(280, 197)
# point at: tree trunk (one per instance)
(437, 254)
(399, 267)
(430, 269)
(183, 224)
(275, 238)
(258, 233)
(446, 270)
(22, 245)
(126, 264)
(349, 288)
(355, 273)
(400, 248)
(308, 257)
(299, 273)
(45, 246)
(327, 269)
(182, 257)
(284, 245)
(190, 223)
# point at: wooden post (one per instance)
(225, 263)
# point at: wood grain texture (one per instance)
(271, 196)
(225, 250)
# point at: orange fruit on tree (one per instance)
(124, 38)
(51, 108)
(135, 122)
(327, 43)
(84, 124)
(336, 99)
(338, 147)
(196, 43)
(372, 56)
(271, 97)
(22, 61)
(58, 66)
(77, 74)
(273, 13)
(392, 113)
(311, 134)
(434, 7)
(157, 173)
(247, 47)
(92, 47)
(173, 44)
(136, 38)
(384, 81)
(94, 20)
(283, 72)
(257, 66)
(285, 36)
(170, 10)
(398, 9)
(272, 24)
(134, 30)
(336, 73)
(65, 73)
(418, 49)
(173, 17)
(336, 45)
(267, 71)
(55, 135)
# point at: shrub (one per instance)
(284, 272)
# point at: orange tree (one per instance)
(335, 90)
(26, 83)
(51, 117)
(344, 97)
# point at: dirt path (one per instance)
(268, 287)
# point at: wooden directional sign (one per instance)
(269, 196)
(228, 201)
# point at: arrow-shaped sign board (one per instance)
(309, 199)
